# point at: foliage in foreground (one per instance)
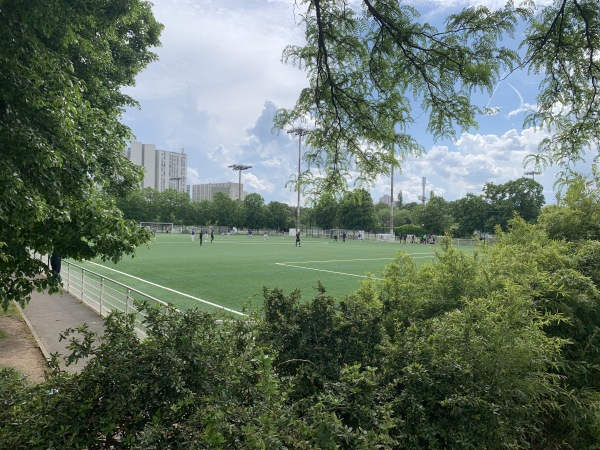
(61, 138)
(493, 350)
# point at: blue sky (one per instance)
(220, 78)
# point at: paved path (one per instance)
(49, 315)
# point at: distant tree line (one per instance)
(354, 210)
(149, 205)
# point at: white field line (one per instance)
(293, 264)
(171, 290)
(328, 271)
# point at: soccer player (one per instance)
(297, 239)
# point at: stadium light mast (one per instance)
(422, 196)
(298, 132)
(392, 196)
(533, 173)
(239, 168)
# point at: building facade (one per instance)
(386, 199)
(207, 191)
(162, 169)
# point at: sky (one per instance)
(220, 78)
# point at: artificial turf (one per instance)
(232, 271)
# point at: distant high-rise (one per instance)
(386, 199)
(163, 169)
(207, 191)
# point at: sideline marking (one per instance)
(171, 290)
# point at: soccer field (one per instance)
(232, 271)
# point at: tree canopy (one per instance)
(374, 67)
(62, 66)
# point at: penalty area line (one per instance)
(183, 294)
(329, 271)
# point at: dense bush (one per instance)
(493, 350)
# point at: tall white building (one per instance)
(207, 191)
(385, 199)
(162, 169)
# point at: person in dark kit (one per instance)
(335, 238)
(297, 239)
(55, 263)
(344, 236)
(212, 235)
(200, 236)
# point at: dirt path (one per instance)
(19, 349)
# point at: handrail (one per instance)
(162, 303)
(105, 295)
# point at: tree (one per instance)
(63, 66)
(278, 216)
(399, 200)
(577, 215)
(367, 60)
(173, 206)
(522, 196)
(471, 213)
(436, 216)
(401, 217)
(203, 212)
(225, 210)
(382, 212)
(139, 205)
(562, 44)
(254, 207)
(356, 211)
(365, 66)
(326, 212)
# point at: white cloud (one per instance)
(220, 81)
(259, 185)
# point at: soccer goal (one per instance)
(385, 237)
(157, 227)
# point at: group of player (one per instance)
(413, 239)
(250, 235)
(335, 238)
(201, 235)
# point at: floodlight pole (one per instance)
(239, 168)
(533, 173)
(298, 132)
(392, 196)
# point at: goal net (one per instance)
(385, 237)
(157, 227)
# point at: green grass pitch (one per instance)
(232, 271)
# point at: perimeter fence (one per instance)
(105, 295)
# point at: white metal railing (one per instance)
(105, 295)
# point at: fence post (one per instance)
(82, 281)
(127, 301)
(68, 277)
(101, 293)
